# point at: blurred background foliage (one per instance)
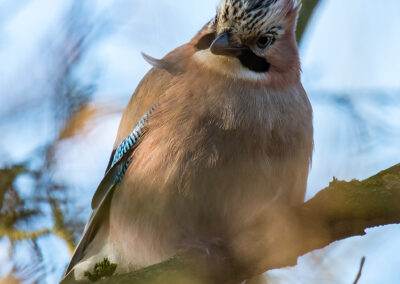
(41, 205)
(69, 68)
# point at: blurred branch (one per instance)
(20, 235)
(86, 115)
(65, 102)
(7, 177)
(307, 10)
(360, 270)
(10, 279)
(61, 227)
(342, 210)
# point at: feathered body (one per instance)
(224, 146)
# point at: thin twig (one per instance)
(360, 271)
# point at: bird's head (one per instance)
(258, 34)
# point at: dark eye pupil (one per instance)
(263, 41)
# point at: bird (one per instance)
(217, 136)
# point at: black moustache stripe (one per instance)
(248, 58)
(253, 62)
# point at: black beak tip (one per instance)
(220, 43)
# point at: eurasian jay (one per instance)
(218, 134)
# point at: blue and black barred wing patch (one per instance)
(120, 160)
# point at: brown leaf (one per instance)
(77, 125)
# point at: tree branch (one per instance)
(342, 210)
(19, 235)
(60, 228)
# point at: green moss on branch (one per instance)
(101, 270)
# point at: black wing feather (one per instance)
(102, 200)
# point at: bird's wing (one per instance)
(101, 200)
(147, 94)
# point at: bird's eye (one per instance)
(265, 41)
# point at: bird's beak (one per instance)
(221, 46)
